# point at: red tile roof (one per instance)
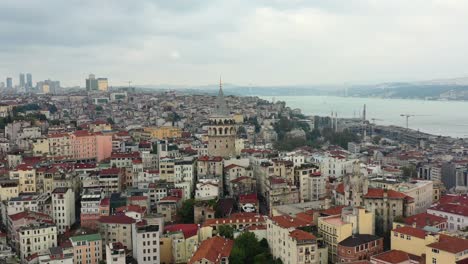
(424, 219)
(392, 256)
(306, 216)
(105, 202)
(411, 231)
(379, 193)
(248, 198)
(131, 208)
(300, 235)
(340, 188)
(286, 221)
(110, 171)
(208, 158)
(189, 230)
(24, 167)
(239, 179)
(450, 244)
(451, 208)
(116, 219)
(454, 199)
(213, 249)
(230, 166)
(333, 210)
(138, 198)
(236, 218)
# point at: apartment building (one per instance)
(26, 176)
(115, 253)
(111, 180)
(36, 239)
(63, 208)
(338, 227)
(87, 249)
(8, 189)
(215, 250)
(168, 206)
(29, 202)
(89, 212)
(359, 247)
(117, 228)
(291, 244)
(164, 132)
(146, 244)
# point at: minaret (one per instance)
(364, 113)
(336, 121)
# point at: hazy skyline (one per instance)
(259, 42)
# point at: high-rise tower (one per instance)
(29, 80)
(22, 80)
(222, 129)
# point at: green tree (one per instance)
(409, 171)
(52, 109)
(313, 135)
(226, 231)
(376, 140)
(98, 108)
(246, 247)
(254, 121)
(110, 121)
(186, 211)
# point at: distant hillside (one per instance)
(408, 90)
(449, 89)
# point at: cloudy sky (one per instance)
(259, 42)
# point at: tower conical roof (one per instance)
(221, 107)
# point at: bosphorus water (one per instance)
(447, 118)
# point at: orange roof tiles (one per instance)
(411, 231)
(286, 221)
(392, 256)
(213, 249)
(300, 235)
(450, 244)
(336, 210)
(379, 193)
(424, 219)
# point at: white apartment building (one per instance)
(115, 253)
(36, 203)
(36, 238)
(335, 166)
(184, 171)
(456, 215)
(207, 189)
(57, 255)
(312, 186)
(63, 208)
(290, 244)
(146, 244)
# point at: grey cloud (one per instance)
(261, 41)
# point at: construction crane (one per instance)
(408, 116)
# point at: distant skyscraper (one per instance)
(29, 80)
(9, 83)
(22, 80)
(91, 83)
(103, 84)
(48, 86)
